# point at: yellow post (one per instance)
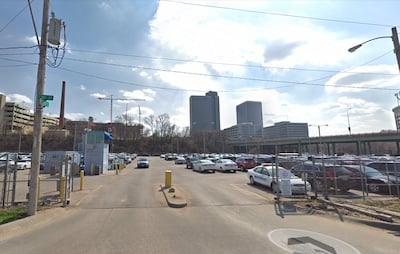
(81, 174)
(38, 187)
(168, 178)
(91, 169)
(116, 168)
(62, 188)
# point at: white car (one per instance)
(226, 165)
(266, 175)
(23, 164)
(204, 166)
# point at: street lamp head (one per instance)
(352, 49)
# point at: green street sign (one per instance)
(44, 98)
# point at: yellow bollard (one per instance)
(38, 187)
(81, 175)
(62, 189)
(168, 178)
(116, 169)
(91, 169)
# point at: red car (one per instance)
(244, 163)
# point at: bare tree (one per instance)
(151, 122)
(125, 119)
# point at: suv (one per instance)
(244, 163)
(336, 176)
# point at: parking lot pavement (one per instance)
(45, 216)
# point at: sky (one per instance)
(290, 55)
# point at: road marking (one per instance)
(303, 241)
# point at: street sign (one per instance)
(46, 97)
(43, 98)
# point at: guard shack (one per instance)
(96, 146)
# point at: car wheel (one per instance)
(373, 187)
(252, 180)
(213, 171)
(242, 168)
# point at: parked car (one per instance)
(225, 165)
(204, 166)
(373, 180)
(336, 176)
(190, 161)
(245, 163)
(23, 164)
(266, 175)
(143, 162)
(180, 160)
(386, 167)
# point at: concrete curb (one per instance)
(174, 196)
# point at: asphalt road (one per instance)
(127, 213)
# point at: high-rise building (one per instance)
(204, 112)
(396, 111)
(249, 112)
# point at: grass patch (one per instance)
(11, 214)
(392, 205)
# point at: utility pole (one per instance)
(396, 44)
(37, 128)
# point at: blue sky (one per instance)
(290, 55)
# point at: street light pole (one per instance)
(319, 131)
(396, 44)
(348, 120)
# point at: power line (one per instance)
(13, 18)
(280, 14)
(288, 83)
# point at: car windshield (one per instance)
(372, 172)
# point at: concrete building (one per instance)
(204, 112)
(16, 117)
(396, 111)
(242, 131)
(286, 129)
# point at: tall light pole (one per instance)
(111, 99)
(37, 128)
(394, 38)
(348, 120)
(319, 131)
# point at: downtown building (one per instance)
(204, 113)
(249, 122)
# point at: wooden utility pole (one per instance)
(37, 128)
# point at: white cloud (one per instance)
(19, 98)
(75, 116)
(357, 79)
(82, 87)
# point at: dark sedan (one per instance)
(317, 174)
(373, 180)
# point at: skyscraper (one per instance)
(204, 112)
(249, 112)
